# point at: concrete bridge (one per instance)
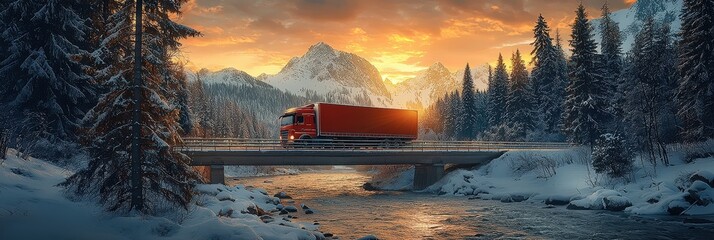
(428, 157)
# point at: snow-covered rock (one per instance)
(679, 188)
(291, 208)
(603, 199)
(282, 195)
(704, 176)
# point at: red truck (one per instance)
(345, 122)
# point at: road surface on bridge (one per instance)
(218, 151)
(428, 157)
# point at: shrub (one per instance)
(612, 156)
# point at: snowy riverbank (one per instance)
(563, 178)
(33, 207)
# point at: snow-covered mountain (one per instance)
(632, 19)
(336, 75)
(431, 84)
(228, 76)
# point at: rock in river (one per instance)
(290, 208)
(282, 195)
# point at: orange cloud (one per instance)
(400, 37)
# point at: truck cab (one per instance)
(298, 123)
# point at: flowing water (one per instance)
(346, 210)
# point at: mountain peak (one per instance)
(437, 66)
(320, 48)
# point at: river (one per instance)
(346, 210)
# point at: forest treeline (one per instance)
(659, 92)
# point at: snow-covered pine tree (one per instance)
(42, 70)
(467, 118)
(611, 42)
(667, 59)
(554, 115)
(586, 102)
(648, 90)
(201, 108)
(167, 180)
(612, 156)
(487, 110)
(547, 86)
(182, 102)
(451, 118)
(519, 102)
(695, 93)
(497, 93)
(481, 106)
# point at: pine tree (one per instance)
(182, 102)
(547, 83)
(519, 103)
(467, 118)
(612, 156)
(166, 176)
(611, 42)
(695, 93)
(497, 93)
(481, 106)
(200, 107)
(648, 90)
(451, 116)
(42, 69)
(586, 104)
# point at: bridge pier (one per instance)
(217, 174)
(427, 174)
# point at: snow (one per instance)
(600, 200)
(518, 176)
(401, 182)
(630, 25)
(432, 84)
(32, 206)
(256, 171)
(340, 76)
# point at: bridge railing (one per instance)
(239, 144)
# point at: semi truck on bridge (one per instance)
(327, 121)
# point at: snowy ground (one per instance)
(563, 178)
(33, 207)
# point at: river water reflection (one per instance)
(343, 208)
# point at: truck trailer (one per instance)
(327, 121)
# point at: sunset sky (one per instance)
(400, 37)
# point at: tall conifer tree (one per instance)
(547, 83)
(166, 176)
(695, 93)
(519, 104)
(497, 93)
(611, 42)
(45, 81)
(585, 106)
(468, 106)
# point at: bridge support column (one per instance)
(427, 174)
(217, 175)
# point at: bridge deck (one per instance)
(270, 152)
(287, 157)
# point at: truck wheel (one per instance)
(305, 140)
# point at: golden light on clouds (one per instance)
(400, 37)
